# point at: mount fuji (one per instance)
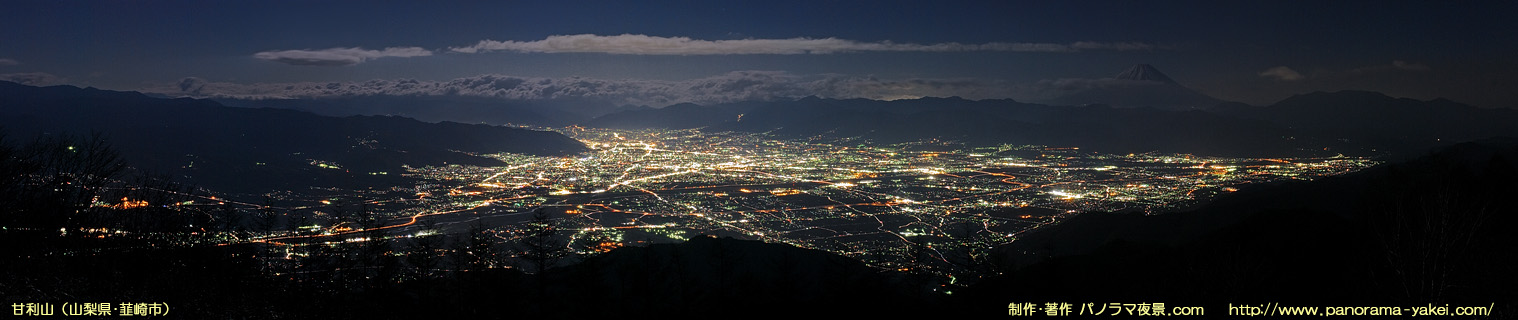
(1142, 85)
(1144, 72)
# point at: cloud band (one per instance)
(638, 44)
(338, 56)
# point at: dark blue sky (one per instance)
(1256, 52)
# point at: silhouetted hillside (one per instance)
(701, 278)
(1430, 230)
(1376, 120)
(256, 150)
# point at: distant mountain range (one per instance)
(1138, 110)
(1140, 86)
(1347, 122)
(260, 149)
(985, 122)
(1375, 119)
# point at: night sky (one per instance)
(1255, 52)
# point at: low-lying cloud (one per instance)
(33, 78)
(729, 87)
(1396, 67)
(338, 56)
(724, 88)
(1282, 73)
(1404, 65)
(8, 62)
(638, 44)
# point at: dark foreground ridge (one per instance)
(1430, 230)
(701, 278)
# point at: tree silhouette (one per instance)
(970, 258)
(541, 245)
(152, 202)
(53, 181)
(1426, 224)
(268, 218)
(228, 219)
(422, 254)
(475, 253)
(15, 172)
(378, 266)
(299, 220)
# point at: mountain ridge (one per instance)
(256, 149)
(1314, 124)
